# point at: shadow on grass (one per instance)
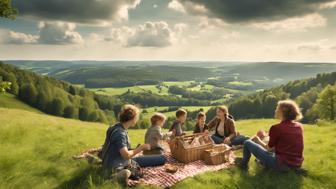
(266, 178)
(84, 178)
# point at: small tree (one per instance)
(4, 86)
(93, 116)
(58, 107)
(84, 114)
(69, 112)
(42, 101)
(326, 103)
(28, 94)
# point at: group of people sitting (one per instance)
(282, 151)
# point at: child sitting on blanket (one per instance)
(200, 126)
(176, 128)
(154, 135)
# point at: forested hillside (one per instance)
(316, 96)
(58, 98)
(95, 77)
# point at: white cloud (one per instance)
(20, 38)
(120, 35)
(177, 6)
(150, 34)
(58, 33)
(293, 24)
(206, 23)
(54, 33)
(329, 5)
(180, 27)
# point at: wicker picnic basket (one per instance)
(217, 155)
(190, 148)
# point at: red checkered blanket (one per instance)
(159, 177)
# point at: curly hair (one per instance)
(128, 112)
(288, 110)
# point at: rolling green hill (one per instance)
(36, 151)
(10, 101)
(281, 71)
(98, 77)
(305, 92)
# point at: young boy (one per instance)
(176, 128)
(200, 126)
(154, 134)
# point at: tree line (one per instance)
(59, 98)
(316, 96)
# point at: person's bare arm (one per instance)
(257, 140)
(128, 154)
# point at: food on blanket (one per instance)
(171, 168)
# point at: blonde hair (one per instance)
(200, 115)
(128, 112)
(157, 117)
(223, 109)
(180, 112)
(288, 110)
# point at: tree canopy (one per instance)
(6, 9)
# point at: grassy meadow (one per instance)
(163, 90)
(37, 150)
(10, 101)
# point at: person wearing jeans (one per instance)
(265, 157)
(236, 140)
(286, 141)
(225, 130)
(117, 154)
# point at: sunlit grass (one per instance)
(36, 151)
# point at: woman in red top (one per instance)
(285, 147)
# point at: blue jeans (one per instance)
(150, 160)
(265, 157)
(237, 140)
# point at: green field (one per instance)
(151, 110)
(136, 89)
(240, 83)
(150, 88)
(37, 150)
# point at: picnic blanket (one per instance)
(158, 176)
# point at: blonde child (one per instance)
(154, 134)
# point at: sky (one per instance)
(183, 30)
